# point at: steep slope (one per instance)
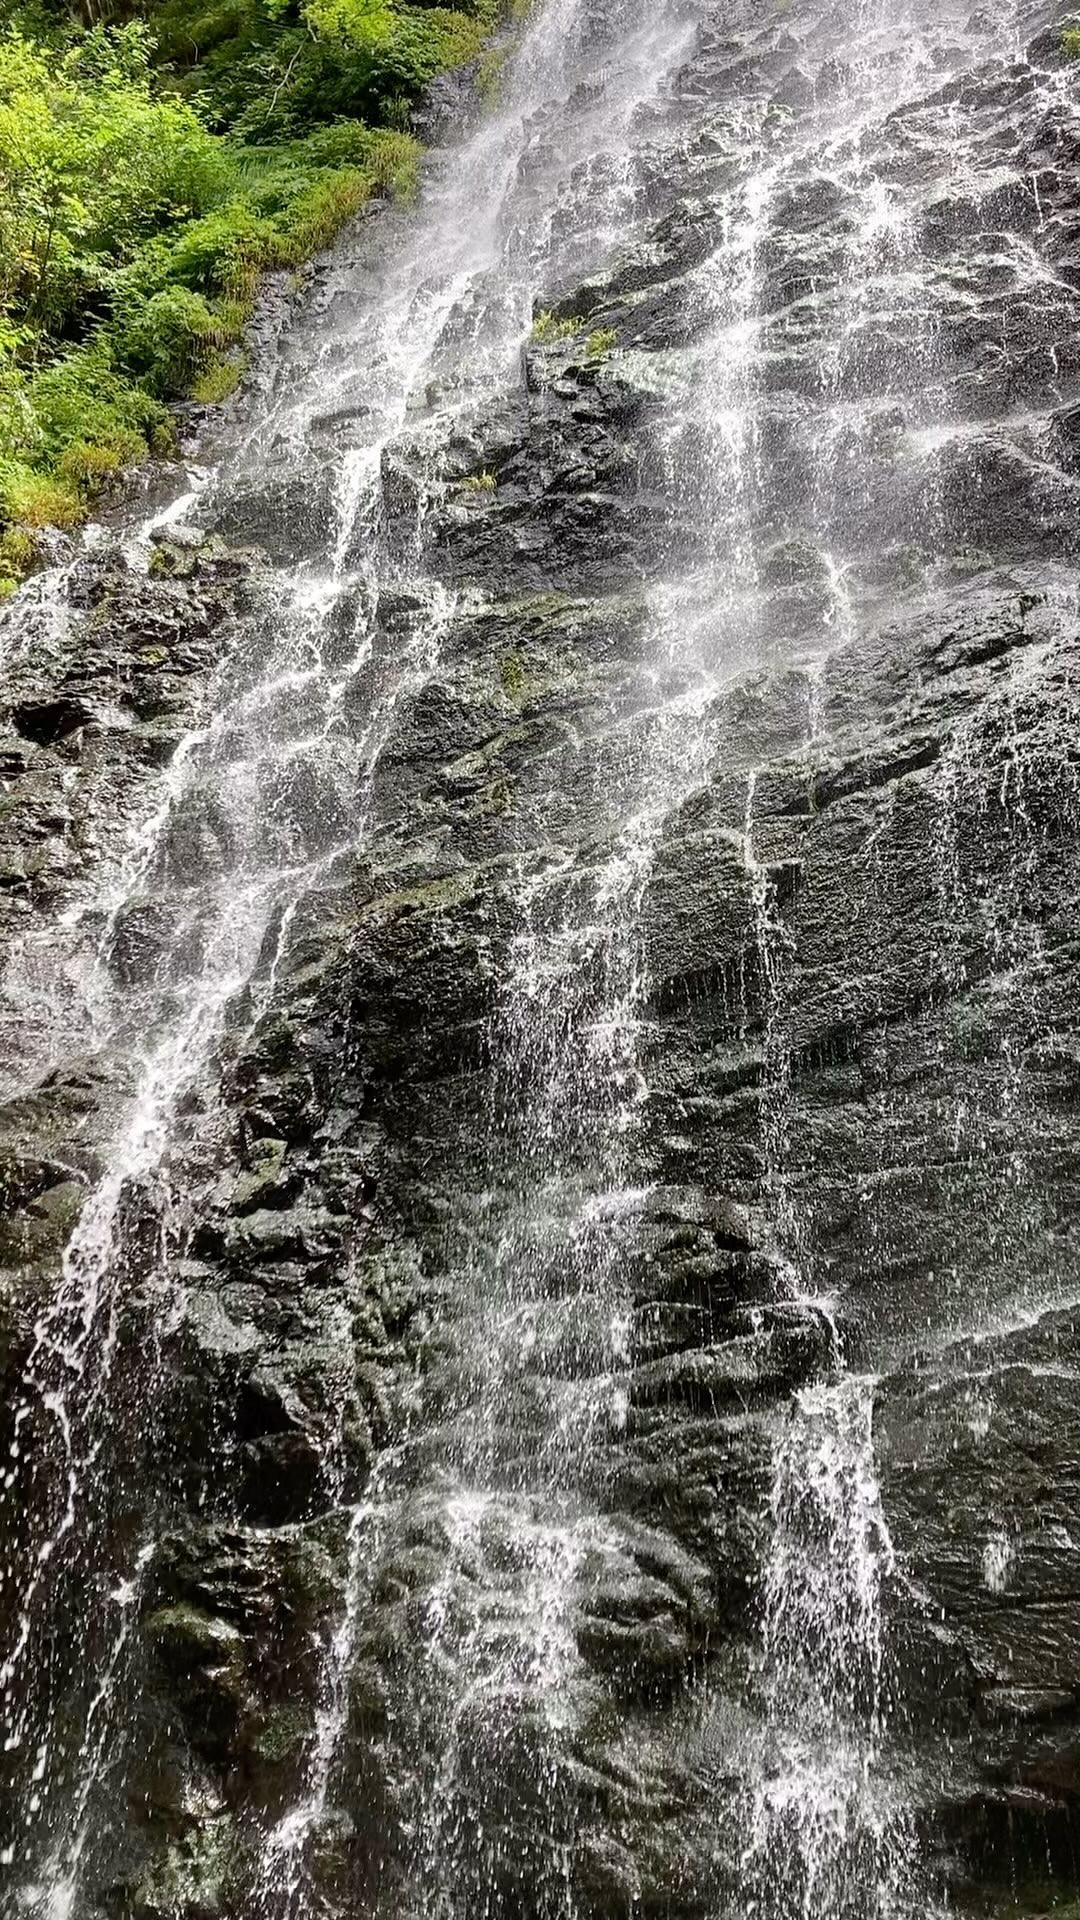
(545, 1022)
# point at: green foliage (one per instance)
(149, 173)
(90, 165)
(1070, 42)
(18, 549)
(479, 483)
(32, 499)
(167, 339)
(270, 69)
(546, 330)
(18, 554)
(82, 396)
(600, 342)
(365, 24)
(220, 379)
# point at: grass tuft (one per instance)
(220, 379)
(546, 329)
(600, 342)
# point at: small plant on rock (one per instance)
(546, 329)
(221, 378)
(600, 342)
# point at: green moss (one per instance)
(512, 673)
(437, 896)
(186, 1637)
(600, 342)
(192, 1875)
(494, 802)
(60, 1206)
(311, 1587)
(282, 1736)
(471, 766)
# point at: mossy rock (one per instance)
(185, 1638)
(312, 1579)
(192, 1879)
(282, 1736)
(181, 555)
(261, 1179)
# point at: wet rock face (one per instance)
(94, 708)
(676, 1019)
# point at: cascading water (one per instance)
(829, 1828)
(268, 786)
(543, 750)
(823, 1836)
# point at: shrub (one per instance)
(17, 426)
(90, 170)
(83, 397)
(168, 339)
(88, 466)
(18, 553)
(313, 213)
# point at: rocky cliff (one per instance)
(540, 1152)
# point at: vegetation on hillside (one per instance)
(152, 164)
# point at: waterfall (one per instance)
(826, 1833)
(273, 789)
(567, 640)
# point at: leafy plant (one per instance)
(600, 342)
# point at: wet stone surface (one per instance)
(568, 961)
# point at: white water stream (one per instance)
(225, 849)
